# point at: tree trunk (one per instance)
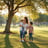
(7, 28)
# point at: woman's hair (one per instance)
(26, 19)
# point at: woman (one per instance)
(25, 27)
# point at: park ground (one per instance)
(12, 40)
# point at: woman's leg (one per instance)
(22, 37)
(25, 35)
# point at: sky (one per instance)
(5, 11)
(41, 10)
(23, 13)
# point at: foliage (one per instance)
(5, 16)
(42, 18)
(22, 3)
(15, 19)
(1, 20)
(34, 16)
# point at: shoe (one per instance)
(22, 40)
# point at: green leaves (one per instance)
(18, 3)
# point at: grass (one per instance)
(12, 40)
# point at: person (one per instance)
(25, 27)
(31, 32)
(21, 30)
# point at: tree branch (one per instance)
(45, 5)
(20, 4)
(16, 11)
(12, 4)
(6, 2)
(24, 6)
(21, 7)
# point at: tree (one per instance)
(34, 16)
(14, 5)
(42, 18)
(11, 11)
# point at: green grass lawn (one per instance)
(12, 40)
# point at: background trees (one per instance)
(1, 20)
(15, 20)
(42, 18)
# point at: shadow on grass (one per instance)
(41, 41)
(7, 42)
(25, 45)
(31, 45)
